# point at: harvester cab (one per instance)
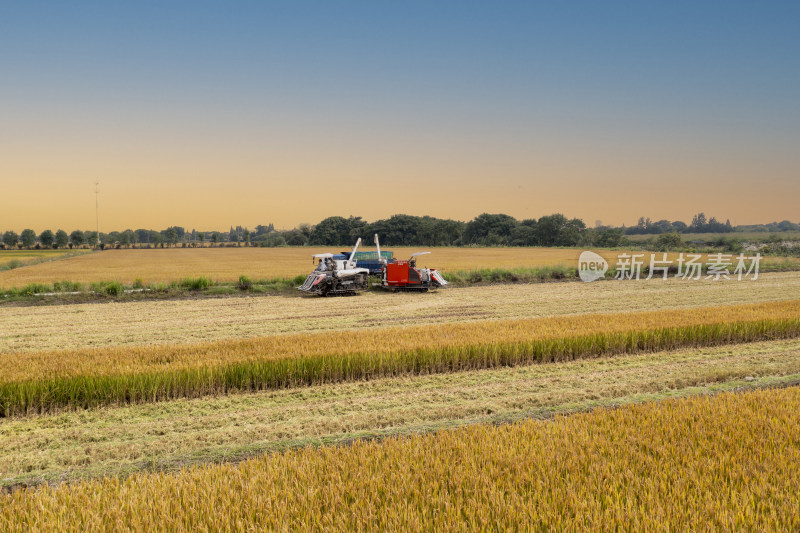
(404, 275)
(336, 274)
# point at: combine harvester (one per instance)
(347, 273)
(336, 274)
(400, 275)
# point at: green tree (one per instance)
(397, 230)
(679, 226)
(295, 238)
(61, 238)
(47, 238)
(10, 238)
(698, 224)
(28, 238)
(142, 236)
(91, 238)
(446, 232)
(609, 237)
(273, 240)
(489, 229)
(77, 237)
(668, 242)
(304, 228)
(337, 231)
(171, 236)
(525, 233)
(126, 238)
(557, 230)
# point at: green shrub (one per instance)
(66, 286)
(195, 284)
(667, 242)
(36, 288)
(245, 283)
(113, 288)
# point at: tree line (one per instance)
(701, 224)
(172, 236)
(398, 230)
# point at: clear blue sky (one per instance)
(603, 110)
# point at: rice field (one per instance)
(107, 392)
(170, 435)
(227, 264)
(43, 381)
(152, 322)
(726, 462)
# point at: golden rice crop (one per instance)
(35, 382)
(721, 463)
(174, 434)
(227, 264)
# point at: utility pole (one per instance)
(97, 210)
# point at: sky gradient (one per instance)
(211, 114)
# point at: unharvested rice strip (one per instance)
(34, 383)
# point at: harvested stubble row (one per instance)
(40, 382)
(722, 463)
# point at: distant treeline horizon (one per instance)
(398, 230)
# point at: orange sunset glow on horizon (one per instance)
(211, 119)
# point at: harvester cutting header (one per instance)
(348, 273)
(336, 274)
